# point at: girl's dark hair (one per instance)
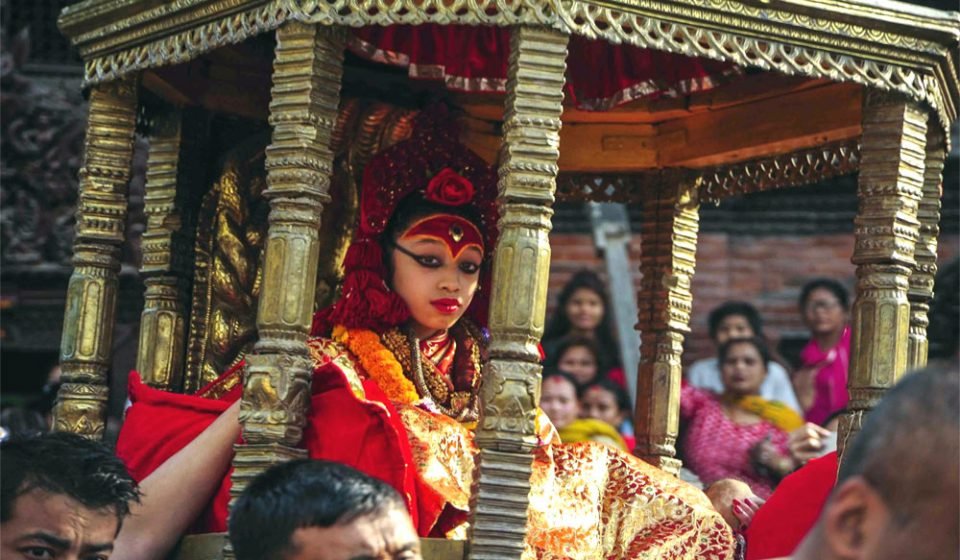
(733, 308)
(755, 341)
(550, 371)
(619, 393)
(829, 284)
(606, 338)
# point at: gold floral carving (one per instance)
(303, 111)
(174, 170)
(893, 151)
(510, 390)
(671, 221)
(793, 169)
(790, 170)
(228, 266)
(925, 253)
(92, 291)
(881, 47)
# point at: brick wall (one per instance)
(767, 271)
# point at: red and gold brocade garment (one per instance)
(375, 408)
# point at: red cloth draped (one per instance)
(600, 75)
(792, 510)
(365, 434)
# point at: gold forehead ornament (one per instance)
(456, 233)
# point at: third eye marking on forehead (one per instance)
(422, 241)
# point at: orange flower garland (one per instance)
(379, 363)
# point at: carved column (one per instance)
(92, 292)
(174, 176)
(886, 229)
(671, 220)
(925, 252)
(510, 391)
(306, 89)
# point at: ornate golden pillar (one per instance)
(891, 177)
(174, 176)
(92, 292)
(510, 391)
(925, 252)
(671, 220)
(303, 109)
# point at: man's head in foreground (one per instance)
(62, 497)
(896, 494)
(318, 510)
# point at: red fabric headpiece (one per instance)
(456, 233)
(434, 165)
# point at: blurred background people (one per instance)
(821, 380)
(62, 496)
(583, 309)
(738, 319)
(308, 509)
(560, 401)
(580, 356)
(737, 433)
(609, 402)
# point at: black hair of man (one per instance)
(731, 309)
(829, 284)
(910, 440)
(300, 494)
(62, 463)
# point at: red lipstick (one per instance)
(446, 306)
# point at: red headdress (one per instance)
(432, 164)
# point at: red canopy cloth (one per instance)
(600, 75)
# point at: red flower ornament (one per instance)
(449, 188)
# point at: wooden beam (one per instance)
(768, 127)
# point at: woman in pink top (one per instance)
(738, 434)
(821, 381)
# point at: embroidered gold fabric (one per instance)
(586, 501)
(324, 351)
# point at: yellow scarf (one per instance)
(591, 429)
(775, 412)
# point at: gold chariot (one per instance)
(237, 268)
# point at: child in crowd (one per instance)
(583, 309)
(560, 401)
(737, 319)
(607, 401)
(581, 357)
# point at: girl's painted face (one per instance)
(579, 362)
(558, 399)
(733, 326)
(436, 275)
(584, 309)
(743, 370)
(601, 404)
(823, 313)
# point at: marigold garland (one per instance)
(379, 363)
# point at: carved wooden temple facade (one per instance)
(826, 88)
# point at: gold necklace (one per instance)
(462, 404)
